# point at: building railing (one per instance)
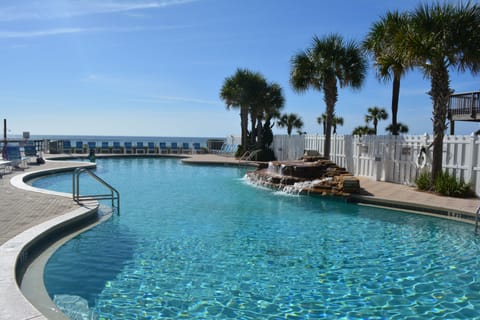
(464, 104)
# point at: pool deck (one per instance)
(23, 209)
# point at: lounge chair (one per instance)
(105, 147)
(173, 147)
(5, 166)
(151, 147)
(186, 148)
(14, 155)
(139, 148)
(163, 147)
(222, 149)
(116, 147)
(196, 147)
(30, 153)
(79, 147)
(128, 147)
(228, 149)
(67, 146)
(92, 145)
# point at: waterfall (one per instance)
(275, 168)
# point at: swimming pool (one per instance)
(199, 242)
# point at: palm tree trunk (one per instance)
(395, 98)
(259, 133)
(330, 97)
(244, 126)
(253, 135)
(375, 125)
(439, 94)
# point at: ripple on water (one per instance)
(219, 248)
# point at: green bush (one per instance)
(445, 184)
(448, 185)
(424, 181)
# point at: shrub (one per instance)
(448, 185)
(424, 181)
(445, 184)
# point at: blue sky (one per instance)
(155, 67)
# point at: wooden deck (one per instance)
(463, 107)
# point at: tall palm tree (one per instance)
(329, 62)
(401, 128)
(270, 104)
(374, 115)
(290, 121)
(443, 36)
(336, 121)
(383, 42)
(240, 91)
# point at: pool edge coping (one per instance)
(14, 252)
(415, 208)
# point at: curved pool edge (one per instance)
(18, 252)
(430, 210)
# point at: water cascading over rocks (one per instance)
(311, 175)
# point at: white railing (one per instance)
(388, 158)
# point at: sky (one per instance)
(156, 67)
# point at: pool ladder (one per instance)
(477, 218)
(114, 195)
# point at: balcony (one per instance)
(463, 107)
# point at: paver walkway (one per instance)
(21, 209)
(385, 193)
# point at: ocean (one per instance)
(133, 139)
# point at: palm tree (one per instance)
(329, 62)
(401, 128)
(443, 36)
(239, 91)
(322, 120)
(375, 114)
(270, 104)
(362, 130)
(290, 121)
(383, 42)
(336, 121)
(259, 90)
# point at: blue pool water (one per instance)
(196, 242)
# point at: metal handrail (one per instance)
(477, 218)
(114, 194)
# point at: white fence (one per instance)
(388, 158)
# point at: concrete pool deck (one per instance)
(25, 211)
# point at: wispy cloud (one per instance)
(43, 33)
(61, 9)
(74, 30)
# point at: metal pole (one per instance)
(3, 150)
